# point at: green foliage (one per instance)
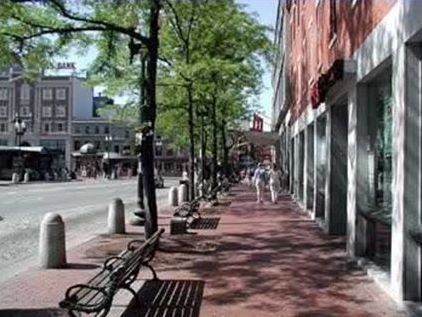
(220, 49)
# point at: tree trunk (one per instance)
(148, 114)
(224, 148)
(191, 144)
(214, 142)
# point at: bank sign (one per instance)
(66, 65)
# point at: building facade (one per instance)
(347, 106)
(46, 105)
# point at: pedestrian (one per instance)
(260, 181)
(275, 182)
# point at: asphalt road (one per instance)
(83, 206)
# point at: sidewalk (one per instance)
(253, 260)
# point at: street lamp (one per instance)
(20, 129)
(109, 140)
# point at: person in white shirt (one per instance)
(260, 181)
(275, 182)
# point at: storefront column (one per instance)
(413, 169)
(327, 203)
(306, 161)
(352, 172)
(398, 226)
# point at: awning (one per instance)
(260, 138)
(32, 149)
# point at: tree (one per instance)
(210, 48)
(33, 33)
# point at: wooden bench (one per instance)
(118, 272)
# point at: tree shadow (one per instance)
(168, 298)
(45, 312)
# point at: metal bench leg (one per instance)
(132, 291)
(154, 274)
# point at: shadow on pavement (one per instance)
(45, 312)
(168, 298)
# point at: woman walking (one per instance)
(275, 182)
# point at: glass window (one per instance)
(3, 94)
(106, 130)
(47, 94)
(24, 111)
(3, 112)
(77, 129)
(46, 127)
(97, 145)
(169, 152)
(116, 149)
(158, 151)
(3, 127)
(97, 129)
(76, 145)
(25, 92)
(87, 130)
(61, 93)
(60, 127)
(46, 112)
(60, 111)
(383, 149)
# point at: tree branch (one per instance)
(110, 26)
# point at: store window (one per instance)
(3, 94)
(47, 94)
(25, 111)
(61, 93)
(3, 112)
(333, 21)
(60, 111)
(47, 111)
(60, 127)
(25, 92)
(76, 145)
(383, 149)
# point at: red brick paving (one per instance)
(262, 260)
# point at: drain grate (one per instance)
(205, 223)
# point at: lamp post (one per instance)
(20, 129)
(109, 140)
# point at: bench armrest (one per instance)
(71, 300)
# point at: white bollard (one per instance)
(52, 249)
(116, 217)
(173, 199)
(183, 193)
(15, 178)
(26, 178)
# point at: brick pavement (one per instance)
(261, 260)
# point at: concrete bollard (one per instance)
(173, 199)
(26, 178)
(15, 178)
(52, 249)
(116, 217)
(183, 193)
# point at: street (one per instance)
(83, 206)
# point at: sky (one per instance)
(266, 12)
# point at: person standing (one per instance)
(275, 182)
(260, 181)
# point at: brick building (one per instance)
(347, 105)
